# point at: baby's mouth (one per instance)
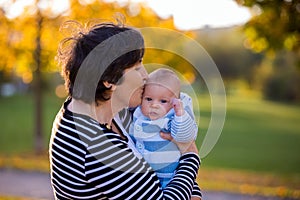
(153, 115)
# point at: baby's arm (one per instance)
(186, 130)
(183, 126)
(178, 107)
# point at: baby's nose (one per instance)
(154, 105)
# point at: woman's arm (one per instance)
(119, 174)
(183, 180)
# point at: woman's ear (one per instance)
(109, 85)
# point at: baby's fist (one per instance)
(178, 107)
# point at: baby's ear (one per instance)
(109, 85)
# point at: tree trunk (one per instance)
(39, 142)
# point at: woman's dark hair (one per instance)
(122, 53)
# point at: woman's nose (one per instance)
(144, 73)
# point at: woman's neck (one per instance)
(102, 112)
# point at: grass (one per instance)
(17, 122)
(250, 183)
(257, 136)
(257, 152)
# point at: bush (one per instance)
(283, 87)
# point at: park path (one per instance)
(36, 185)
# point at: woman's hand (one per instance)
(184, 147)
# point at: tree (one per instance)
(275, 25)
(275, 29)
(31, 39)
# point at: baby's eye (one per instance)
(148, 99)
(163, 101)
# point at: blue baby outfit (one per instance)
(163, 155)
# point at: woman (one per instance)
(89, 155)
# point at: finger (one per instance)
(166, 136)
(175, 101)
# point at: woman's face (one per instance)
(129, 92)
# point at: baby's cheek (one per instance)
(167, 108)
(145, 109)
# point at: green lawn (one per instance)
(257, 136)
(17, 122)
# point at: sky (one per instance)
(188, 14)
(194, 14)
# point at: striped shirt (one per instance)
(90, 161)
(163, 155)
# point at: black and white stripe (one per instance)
(89, 161)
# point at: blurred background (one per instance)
(254, 43)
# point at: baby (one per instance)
(164, 108)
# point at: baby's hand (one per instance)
(178, 107)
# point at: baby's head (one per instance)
(161, 88)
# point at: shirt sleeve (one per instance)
(196, 191)
(184, 178)
(119, 174)
(184, 128)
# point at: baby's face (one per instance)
(157, 101)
